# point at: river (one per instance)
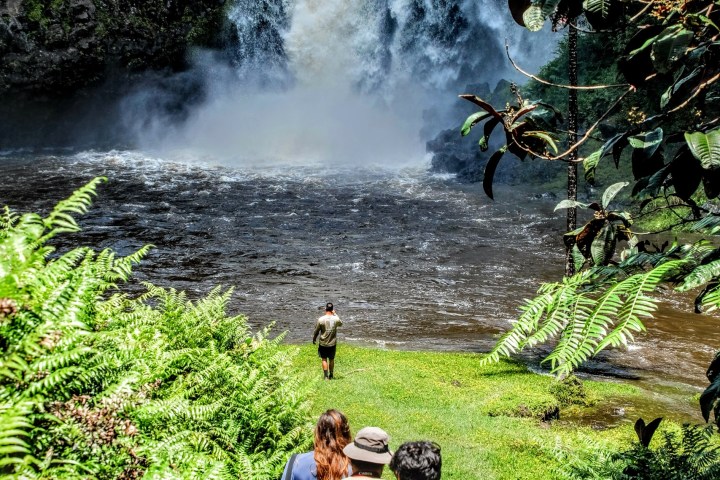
(412, 260)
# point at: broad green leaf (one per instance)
(655, 182)
(473, 120)
(545, 136)
(700, 276)
(648, 142)
(624, 217)
(603, 245)
(610, 193)
(669, 47)
(577, 258)
(705, 147)
(534, 18)
(709, 22)
(590, 165)
(570, 204)
(684, 83)
(647, 43)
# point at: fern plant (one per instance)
(96, 384)
(690, 454)
(598, 308)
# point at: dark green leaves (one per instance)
(646, 432)
(490, 170)
(646, 158)
(603, 245)
(636, 64)
(710, 398)
(523, 127)
(647, 142)
(669, 47)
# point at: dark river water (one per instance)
(411, 260)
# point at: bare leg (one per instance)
(325, 366)
(332, 367)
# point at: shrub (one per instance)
(96, 383)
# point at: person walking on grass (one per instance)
(326, 329)
(327, 460)
(417, 461)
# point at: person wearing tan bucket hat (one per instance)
(368, 453)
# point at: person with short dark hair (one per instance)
(368, 453)
(326, 329)
(417, 461)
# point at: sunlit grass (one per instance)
(471, 412)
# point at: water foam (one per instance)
(351, 82)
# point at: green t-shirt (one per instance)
(326, 327)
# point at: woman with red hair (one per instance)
(327, 460)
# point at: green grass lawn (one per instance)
(474, 413)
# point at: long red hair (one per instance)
(332, 433)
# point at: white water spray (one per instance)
(343, 81)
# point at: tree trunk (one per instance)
(572, 139)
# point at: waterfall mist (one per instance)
(335, 81)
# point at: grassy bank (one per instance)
(487, 420)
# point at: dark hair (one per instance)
(329, 307)
(417, 461)
(332, 434)
(362, 466)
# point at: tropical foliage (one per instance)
(665, 123)
(689, 454)
(97, 383)
(525, 127)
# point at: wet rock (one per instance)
(55, 36)
(132, 35)
(82, 10)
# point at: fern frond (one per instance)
(60, 219)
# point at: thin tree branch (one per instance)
(584, 138)
(591, 32)
(697, 91)
(641, 12)
(546, 82)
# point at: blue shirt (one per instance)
(304, 467)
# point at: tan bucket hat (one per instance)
(370, 445)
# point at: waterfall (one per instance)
(260, 57)
(375, 45)
(346, 81)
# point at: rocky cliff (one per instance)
(52, 47)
